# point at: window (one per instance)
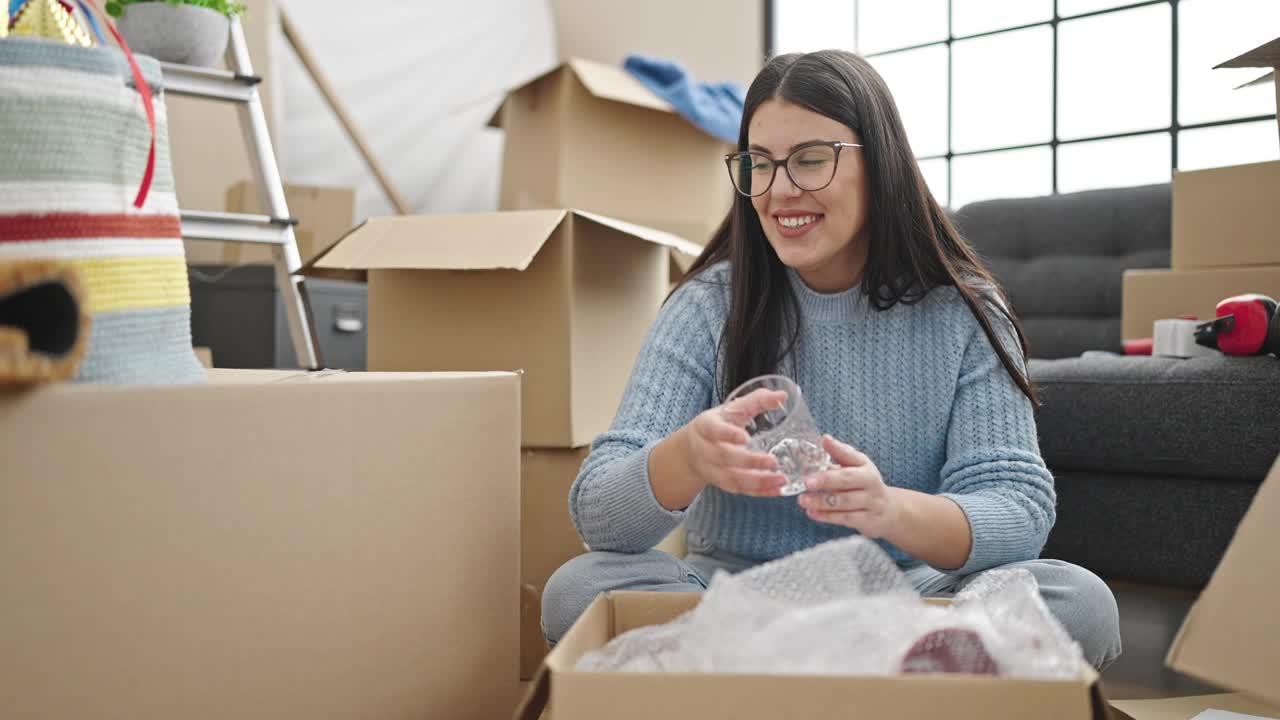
(1005, 98)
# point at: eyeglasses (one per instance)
(811, 167)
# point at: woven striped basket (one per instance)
(74, 142)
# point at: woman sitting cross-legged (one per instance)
(838, 269)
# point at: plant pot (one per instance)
(186, 34)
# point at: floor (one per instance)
(1149, 620)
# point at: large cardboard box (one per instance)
(273, 545)
(324, 215)
(547, 538)
(1227, 216)
(589, 135)
(1150, 295)
(565, 296)
(1231, 637)
(574, 695)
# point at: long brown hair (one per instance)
(913, 245)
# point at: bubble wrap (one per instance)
(845, 608)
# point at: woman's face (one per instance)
(820, 233)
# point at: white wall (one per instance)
(421, 79)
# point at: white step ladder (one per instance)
(240, 85)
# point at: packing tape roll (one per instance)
(1177, 338)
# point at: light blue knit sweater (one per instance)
(918, 388)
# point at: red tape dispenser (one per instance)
(1245, 325)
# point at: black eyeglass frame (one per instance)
(786, 163)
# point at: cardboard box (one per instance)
(1226, 216)
(589, 135)
(1263, 56)
(548, 538)
(324, 215)
(565, 296)
(1231, 637)
(273, 545)
(1150, 295)
(573, 695)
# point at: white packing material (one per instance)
(845, 608)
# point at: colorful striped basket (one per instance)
(74, 144)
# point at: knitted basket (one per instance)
(74, 138)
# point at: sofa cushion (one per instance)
(1061, 259)
(1165, 530)
(1210, 417)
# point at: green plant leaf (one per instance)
(116, 8)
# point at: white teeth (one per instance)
(798, 221)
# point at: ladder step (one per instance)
(236, 227)
(208, 83)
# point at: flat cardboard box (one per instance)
(1226, 217)
(1267, 56)
(324, 215)
(268, 546)
(1231, 637)
(1150, 295)
(575, 695)
(1186, 708)
(548, 538)
(566, 296)
(589, 135)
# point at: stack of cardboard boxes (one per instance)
(1226, 236)
(1226, 241)
(602, 185)
(565, 297)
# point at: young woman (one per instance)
(838, 269)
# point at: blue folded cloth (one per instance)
(715, 108)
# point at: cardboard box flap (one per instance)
(1266, 55)
(474, 241)
(1263, 79)
(1230, 637)
(657, 237)
(607, 82)
(610, 82)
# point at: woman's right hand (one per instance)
(716, 447)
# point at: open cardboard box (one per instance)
(589, 135)
(575, 695)
(566, 296)
(1231, 637)
(272, 545)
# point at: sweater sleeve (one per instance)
(611, 501)
(993, 470)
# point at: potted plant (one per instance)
(189, 32)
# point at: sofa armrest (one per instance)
(1210, 417)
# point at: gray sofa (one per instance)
(1155, 459)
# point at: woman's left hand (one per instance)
(852, 494)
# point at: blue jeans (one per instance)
(1081, 602)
